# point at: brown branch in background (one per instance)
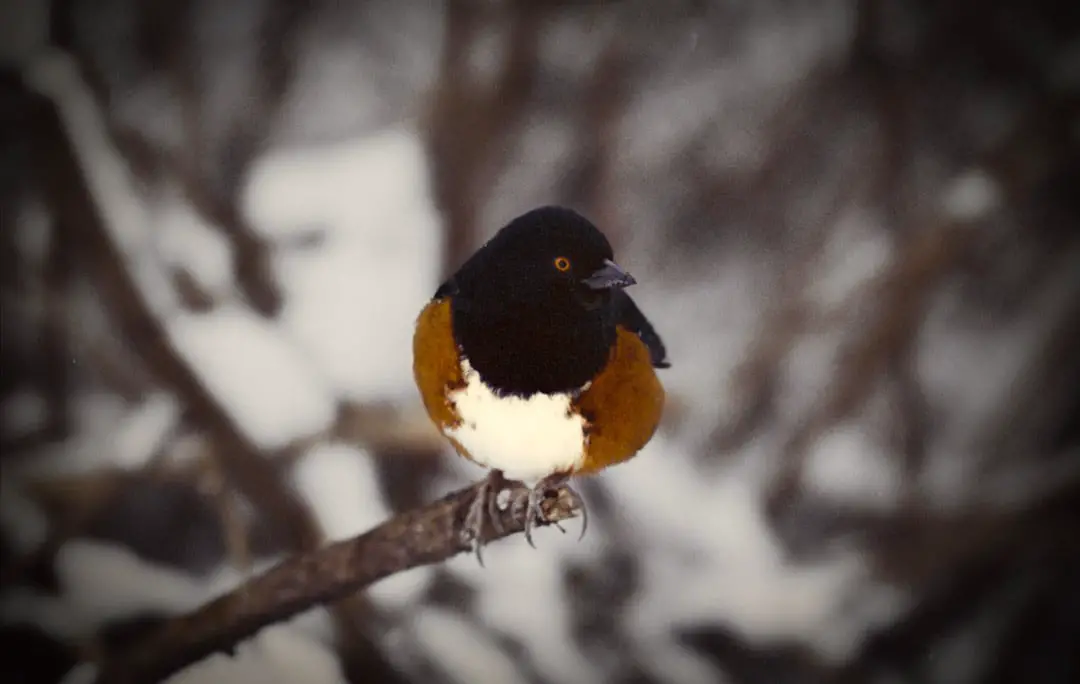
(1040, 398)
(757, 378)
(905, 290)
(469, 124)
(79, 214)
(55, 340)
(890, 88)
(253, 475)
(212, 165)
(423, 536)
(900, 298)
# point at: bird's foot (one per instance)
(535, 511)
(484, 507)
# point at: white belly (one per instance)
(526, 438)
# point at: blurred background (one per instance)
(855, 223)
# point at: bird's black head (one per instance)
(533, 307)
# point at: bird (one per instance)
(534, 362)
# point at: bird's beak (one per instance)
(609, 276)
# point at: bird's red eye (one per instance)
(562, 264)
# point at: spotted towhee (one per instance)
(535, 363)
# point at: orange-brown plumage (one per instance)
(436, 362)
(622, 406)
(437, 366)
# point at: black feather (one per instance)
(629, 316)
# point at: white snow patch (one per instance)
(674, 663)
(101, 581)
(108, 435)
(344, 186)
(262, 382)
(687, 509)
(353, 306)
(340, 484)
(856, 251)
(353, 299)
(714, 557)
(846, 465)
(521, 583)
(402, 589)
(143, 431)
(721, 308)
(187, 241)
(765, 602)
(279, 653)
(466, 652)
(971, 195)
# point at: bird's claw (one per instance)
(484, 506)
(534, 512)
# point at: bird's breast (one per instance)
(527, 437)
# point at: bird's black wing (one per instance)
(448, 288)
(629, 316)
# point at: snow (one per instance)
(186, 241)
(686, 314)
(464, 650)
(857, 250)
(341, 487)
(261, 381)
(143, 431)
(522, 597)
(277, 654)
(846, 466)
(101, 581)
(971, 196)
(108, 434)
(714, 557)
(351, 301)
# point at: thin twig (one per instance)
(422, 536)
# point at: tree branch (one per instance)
(422, 536)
